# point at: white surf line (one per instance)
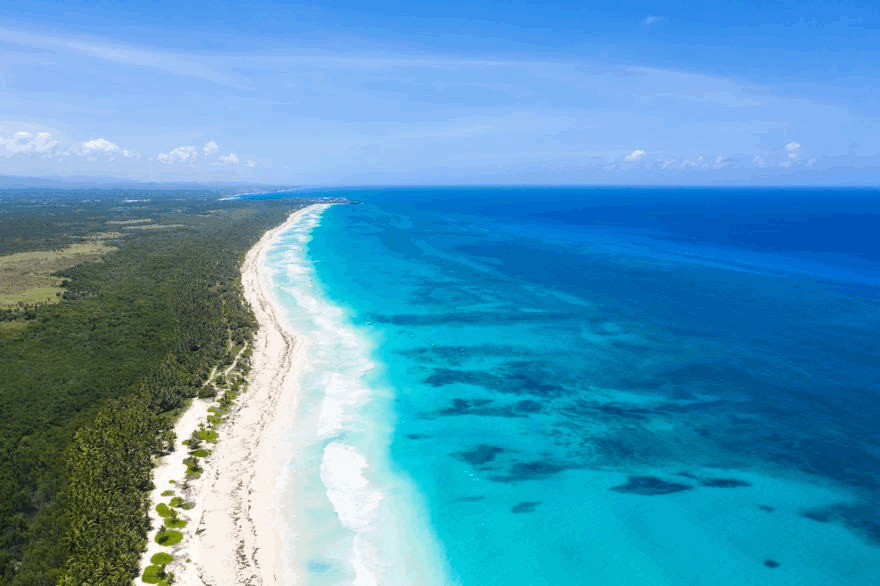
(234, 540)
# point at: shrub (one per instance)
(168, 538)
(175, 523)
(161, 558)
(209, 435)
(207, 392)
(153, 574)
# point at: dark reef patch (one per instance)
(527, 406)
(771, 563)
(525, 507)
(482, 407)
(863, 519)
(444, 294)
(464, 406)
(417, 436)
(514, 380)
(620, 412)
(530, 471)
(470, 317)
(766, 509)
(818, 515)
(469, 499)
(633, 445)
(482, 454)
(449, 376)
(650, 486)
(457, 355)
(724, 482)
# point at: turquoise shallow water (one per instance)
(538, 386)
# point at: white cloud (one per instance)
(230, 159)
(651, 20)
(90, 148)
(182, 154)
(211, 147)
(699, 162)
(24, 142)
(130, 154)
(251, 164)
(792, 158)
(635, 155)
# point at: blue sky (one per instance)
(712, 92)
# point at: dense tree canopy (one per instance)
(89, 385)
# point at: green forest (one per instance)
(91, 384)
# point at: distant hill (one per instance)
(84, 182)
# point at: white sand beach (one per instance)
(231, 535)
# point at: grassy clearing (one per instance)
(126, 222)
(27, 277)
(155, 226)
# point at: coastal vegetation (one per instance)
(93, 382)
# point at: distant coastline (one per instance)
(225, 195)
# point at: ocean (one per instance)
(529, 386)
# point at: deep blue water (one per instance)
(627, 386)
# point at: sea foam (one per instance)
(343, 502)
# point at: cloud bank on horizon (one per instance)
(649, 99)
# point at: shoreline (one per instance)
(231, 536)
